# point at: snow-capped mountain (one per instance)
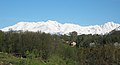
(54, 27)
(118, 28)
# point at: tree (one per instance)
(73, 36)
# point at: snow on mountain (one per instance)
(118, 28)
(54, 27)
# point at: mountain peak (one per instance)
(110, 23)
(52, 22)
(54, 27)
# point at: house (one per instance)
(73, 44)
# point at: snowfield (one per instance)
(54, 27)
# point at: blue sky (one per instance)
(82, 12)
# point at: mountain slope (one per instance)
(118, 28)
(54, 27)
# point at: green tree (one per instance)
(73, 36)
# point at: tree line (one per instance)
(53, 49)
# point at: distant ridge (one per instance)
(53, 27)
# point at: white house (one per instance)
(73, 44)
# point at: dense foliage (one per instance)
(8, 59)
(53, 49)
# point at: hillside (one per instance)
(38, 48)
(9, 59)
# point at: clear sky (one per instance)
(82, 12)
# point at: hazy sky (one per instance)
(82, 12)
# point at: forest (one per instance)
(53, 49)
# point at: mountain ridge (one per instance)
(54, 27)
